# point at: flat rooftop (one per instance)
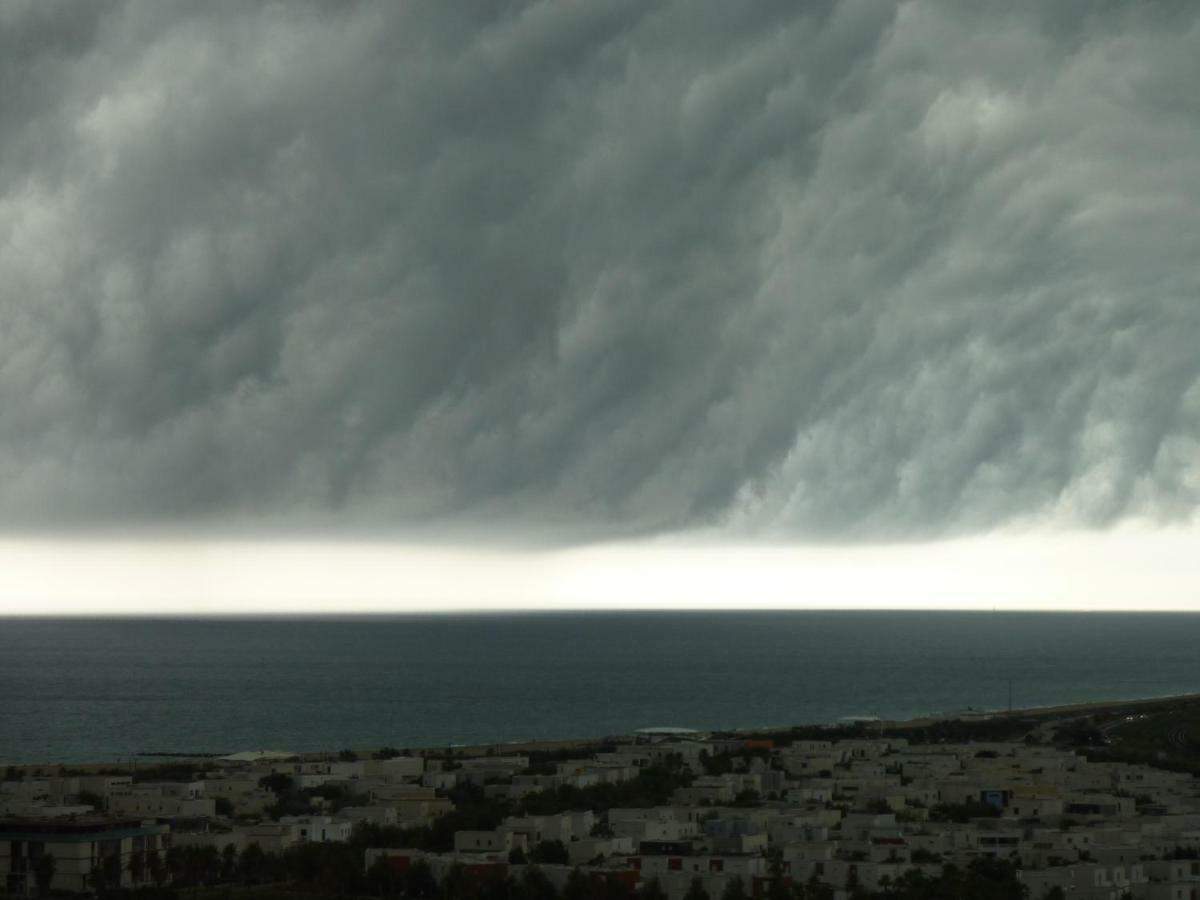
(75, 826)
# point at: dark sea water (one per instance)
(75, 690)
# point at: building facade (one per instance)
(84, 853)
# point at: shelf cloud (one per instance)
(842, 271)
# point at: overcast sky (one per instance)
(839, 273)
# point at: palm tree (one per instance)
(106, 873)
(156, 868)
(229, 860)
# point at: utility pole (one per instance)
(1010, 698)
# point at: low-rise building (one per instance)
(84, 853)
(316, 829)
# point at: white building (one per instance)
(316, 829)
(85, 852)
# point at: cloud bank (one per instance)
(846, 270)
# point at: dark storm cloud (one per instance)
(843, 269)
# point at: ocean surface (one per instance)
(105, 689)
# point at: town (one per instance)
(975, 806)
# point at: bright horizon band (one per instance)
(1127, 569)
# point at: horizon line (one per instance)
(1117, 571)
(497, 612)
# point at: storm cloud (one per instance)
(831, 270)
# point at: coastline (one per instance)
(1053, 712)
(1091, 707)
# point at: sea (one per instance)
(76, 690)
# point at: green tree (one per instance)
(550, 853)
(229, 862)
(174, 862)
(457, 885)
(747, 798)
(383, 880)
(137, 865)
(962, 812)
(578, 886)
(44, 869)
(816, 889)
(716, 764)
(206, 865)
(696, 891)
(774, 861)
(87, 798)
(994, 879)
(602, 829)
(106, 874)
(780, 888)
(498, 889)
(534, 885)
(854, 888)
(419, 881)
(155, 867)
(652, 890)
(279, 783)
(252, 864)
(735, 889)
(339, 869)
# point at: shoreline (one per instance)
(1089, 707)
(150, 759)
